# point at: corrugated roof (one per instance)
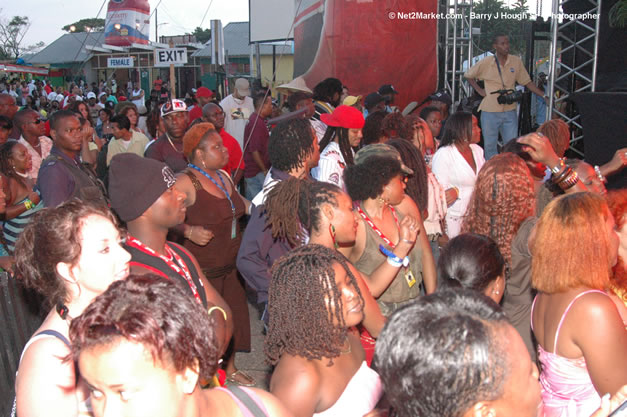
(66, 48)
(236, 43)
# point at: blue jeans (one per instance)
(540, 109)
(494, 122)
(254, 185)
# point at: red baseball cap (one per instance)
(204, 92)
(344, 116)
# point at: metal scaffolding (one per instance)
(577, 43)
(457, 48)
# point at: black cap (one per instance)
(372, 100)
(387, 89)
(442, 96)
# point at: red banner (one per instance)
(368, 43)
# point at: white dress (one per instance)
(452, 170)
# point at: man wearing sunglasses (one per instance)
(32, 136)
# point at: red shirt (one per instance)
(195, 113)
(235, 152)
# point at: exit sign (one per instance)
(170, 56)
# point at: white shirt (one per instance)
(331, 166)
(139, 101)
(452, 170)
(236, 115)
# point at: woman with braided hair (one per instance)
(343, 134)
(502, 207)
(315, 303)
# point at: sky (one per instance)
(180, 16)
(175, 17)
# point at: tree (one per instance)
(202, 35)
(503, 19)
(11, 36)
(86, 25)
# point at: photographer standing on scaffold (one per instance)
(500, 73)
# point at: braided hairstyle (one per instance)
(417, 187)
(303, 197)
(303, 282)
(502, 199)
(345, 146)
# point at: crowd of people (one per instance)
(398, 269)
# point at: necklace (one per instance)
(172, 144)
(226, 193)
(25, 176)
(347, 350)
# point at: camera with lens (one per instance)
(508, 96)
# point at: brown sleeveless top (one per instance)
(216, 258)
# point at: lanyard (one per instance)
(180, 269)
(376, 229)
(223, 189)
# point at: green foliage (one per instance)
(618, 14)
(202, 35)
(12, 34)
(91, 24)
(507, 20)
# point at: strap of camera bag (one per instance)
(498, 67)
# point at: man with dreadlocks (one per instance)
(342, 135)
(315, 302)
(293, 151)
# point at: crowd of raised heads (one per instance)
(397, 269)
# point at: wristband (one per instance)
(393, 259)
(28, 204)
(556, 169)
(600, 176)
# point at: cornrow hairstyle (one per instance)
(303, 197)
(6, 166)
(503, 197)
(367, 180)
(302, 283)
(290, 144)
(156, 313)
(417, 187)
(345, 146)
(372, 129)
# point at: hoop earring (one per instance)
(332, 233)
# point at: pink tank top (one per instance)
(360, 396)
(567, 389)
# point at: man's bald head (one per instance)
(213, 113)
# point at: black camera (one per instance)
(508, 96)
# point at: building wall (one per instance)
(284, 73)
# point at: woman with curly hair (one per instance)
(456, 165)
(617, 203)
(581, 338)
(70, 254)
(144, 347)
(130, 111)
(20, 198)
(502, 207)
(342, 135)
(315, 304)
(384, 234)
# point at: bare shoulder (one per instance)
(297, 383)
